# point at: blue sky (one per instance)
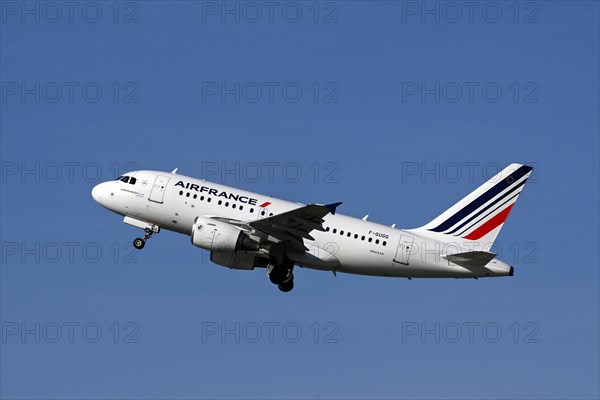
(395, 109)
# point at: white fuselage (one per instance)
(348, 245)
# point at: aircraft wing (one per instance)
(293, 226)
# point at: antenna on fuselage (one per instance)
(365, 217)
(174, 171)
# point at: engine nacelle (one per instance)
(214, 235)
(240, 259)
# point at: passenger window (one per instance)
(181, 192)
(342, 233)
(377, 241)
(355, 236)
(226, 204)
(370, 240)
(349, 234)
(335, 231)
(384, 243)
(195, 196)
(187, 194)
(233, 206)
(362, 238)
(251, 210)
(241, 208)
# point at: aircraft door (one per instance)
(263, 210)
(158, 189)
(405, 246)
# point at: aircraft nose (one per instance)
(96, 193)
(99, 192)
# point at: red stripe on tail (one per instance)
(492, 224)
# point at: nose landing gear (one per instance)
(139, 243)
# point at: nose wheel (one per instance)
(139, 243)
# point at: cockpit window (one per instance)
(127, 179)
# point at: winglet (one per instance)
(331, 207)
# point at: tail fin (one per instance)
(480, 215)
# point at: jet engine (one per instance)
(240, 259)
(214, 235)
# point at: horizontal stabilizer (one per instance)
(471, 259)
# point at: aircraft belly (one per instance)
(315, 258)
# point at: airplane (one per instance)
(245, 230)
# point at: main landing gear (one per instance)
(139, 243)
(282, 275)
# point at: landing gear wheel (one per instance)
(280, 272)
(139, 243)
(287, 286)
(279, 275)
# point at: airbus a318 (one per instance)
(245, 230)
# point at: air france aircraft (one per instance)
(245, 230)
